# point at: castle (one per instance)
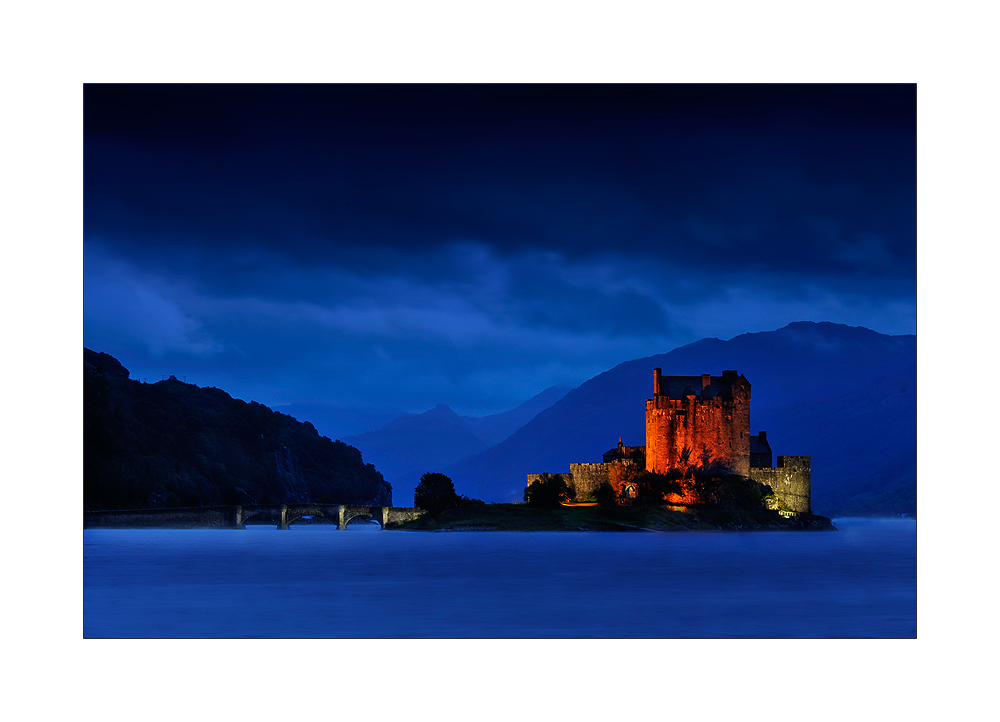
(698, 423)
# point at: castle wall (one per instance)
(715, 430)
(587, 477)
(791, 481)
(584, 478)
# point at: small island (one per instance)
(701, 469)
(734, 503)
(522, 517)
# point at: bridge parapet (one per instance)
(385, 515)
(236, 517)
(398, 514)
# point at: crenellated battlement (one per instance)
(794, 462)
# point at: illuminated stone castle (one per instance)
(695, 421)
(698, 423)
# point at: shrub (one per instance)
(605, 495)
(548, 491)
(652, 489)
(731, 491)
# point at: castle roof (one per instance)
(624, 452)
(677, 387)
(759, 445)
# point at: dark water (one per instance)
(315, 581)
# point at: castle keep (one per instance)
(698, 423)
(694, 420)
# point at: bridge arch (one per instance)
(243, 513)
(292, 516)
(351, 515)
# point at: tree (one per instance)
(605, 495)
(731, 491)
(435, 493)
(550, 490)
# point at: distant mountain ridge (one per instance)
(497, 427)
(335, 422)
(412, 444)
(425, 441)
(817, 389)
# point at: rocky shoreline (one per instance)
(522, 517)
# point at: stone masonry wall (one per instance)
(582, 479)
(791, 481)
(714, 428)
(568, 478)
(587, 477)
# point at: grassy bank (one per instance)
(521, 517)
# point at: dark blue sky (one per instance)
(400, 246)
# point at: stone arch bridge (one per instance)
(284, 514)
(237, 517)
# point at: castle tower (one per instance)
(698, 421)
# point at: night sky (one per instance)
(396, 247)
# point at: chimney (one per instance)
(762, 435)
(657, 382)
(706, 380)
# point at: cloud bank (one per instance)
(401, 246)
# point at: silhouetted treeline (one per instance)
(175, 444)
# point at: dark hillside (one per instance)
(176, 444)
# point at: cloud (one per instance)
(527, 321)
(462, 324)
(767, 303)
(122, 301)
(404, 246)
(370, 190)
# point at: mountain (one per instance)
(336, 422)
(819, 389)
(423, 442)
(864, 445)
(494, 429)
(413, 444)
(174, 444)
